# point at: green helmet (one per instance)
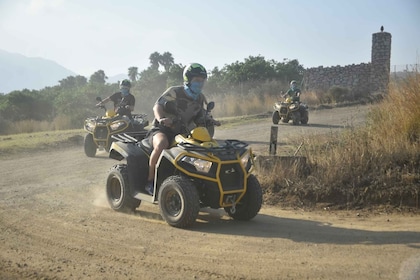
(125, 83)
(194, 70)
(293, 82)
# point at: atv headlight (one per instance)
(117, 125)
(199, 164)
(245, 159)
(90, 126)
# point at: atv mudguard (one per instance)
(137, 162)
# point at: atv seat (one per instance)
(146, 145)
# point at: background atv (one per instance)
(285, 111)
(100, 129)
(195, 172)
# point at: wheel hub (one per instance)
(173, 203)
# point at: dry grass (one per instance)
(29, 126)
(29, 142)
(232, 105)
(372, 165)
(61, 122)
(378, 163)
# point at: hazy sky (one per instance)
(87, 35)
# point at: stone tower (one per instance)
(381, 62)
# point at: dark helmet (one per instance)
(125, 83)
(194, 70)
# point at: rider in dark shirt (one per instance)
(293, 92)
(123, 100)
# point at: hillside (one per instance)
(18, 72)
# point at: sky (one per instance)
(85, 36)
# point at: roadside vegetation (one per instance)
(374, 165)
(66, 105)
(377, 164)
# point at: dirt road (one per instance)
(55, 224)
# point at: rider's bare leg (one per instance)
(160, 142)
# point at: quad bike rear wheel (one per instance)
(179, 202)
(296, 118)
(305, 117)
(89, 145)
(276, 117)
(250, 204)
(118, 190)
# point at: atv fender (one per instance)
(121, 150)
(137, 163)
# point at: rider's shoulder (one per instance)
(173, 90)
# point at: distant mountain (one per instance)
(18, 72)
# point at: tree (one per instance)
(175, 75)
(289, 70)
(25, 105)
(133, 73)
(98, 77)
(73, 82)
(254, 68)
(166, 60)
(254, 74)
(154, 60)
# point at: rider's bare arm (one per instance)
(103, 101)
(159, 114)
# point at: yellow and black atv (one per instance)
(100, 128)
(290, 110)
(196, 172)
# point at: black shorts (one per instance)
(165, 130)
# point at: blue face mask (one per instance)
(190, 93)
(196, 87)
(125, 91)
(293, 87)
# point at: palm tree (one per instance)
(154, 60)
(166, 60)
(133, 73)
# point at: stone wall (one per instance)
(353, 77)
(364, 78)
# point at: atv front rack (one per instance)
(229, 145)
(225, 151)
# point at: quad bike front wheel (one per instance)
(276, 117)
(118, 190)
(89, 145)
(250, 204)
(179, 202)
